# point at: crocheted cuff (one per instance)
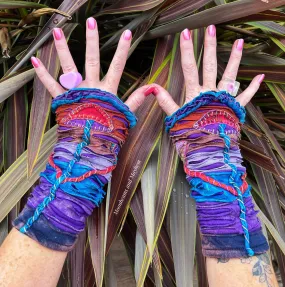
(92, 127)
(206, 133)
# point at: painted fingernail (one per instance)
(240, 44)
(35, 62)
(127, 35)
(91, 23)
(57, 33)
(151, 90)
(212, 30)
(261, 78)
(186, 34)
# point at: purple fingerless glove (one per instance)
(206, 133)
(92, 127)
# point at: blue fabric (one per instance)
(205, 99)
(232, 246)
(109, 98)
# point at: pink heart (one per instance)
(70, 80)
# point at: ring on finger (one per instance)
(70, 80)
(229, 85)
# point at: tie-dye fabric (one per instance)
(92, 127)
(206, 133)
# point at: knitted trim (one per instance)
(104, 96)
(202, 100)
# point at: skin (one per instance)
(24, 262)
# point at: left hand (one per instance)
(191, 76)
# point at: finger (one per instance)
(63, 52)
(92, 61)
(164, 99)
(117, 66)
(234, 61)
(250, 91)
(48, 81)
(210, 58)
(188, 63)
(135, 100)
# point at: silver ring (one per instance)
(230, 86)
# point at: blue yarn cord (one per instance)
(232, 181)
(66, 174)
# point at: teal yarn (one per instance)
(66, 174)
(243, 221)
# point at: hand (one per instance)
(110, 82)
(190, 71)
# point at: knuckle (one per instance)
(210, 44)
(68, 68)
(92, 62)
(189, 67)
(209, 67)
(117, 65)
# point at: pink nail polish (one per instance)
(91, 23)
(212, 30)
(127, 35)
(151, 90)
(186, 34)
(57, 33)
(240, 44)
(35, 62)
(261, 78)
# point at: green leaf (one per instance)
(14, 182)
(20, 4)
(12, 84)
(278, 93)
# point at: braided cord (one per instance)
(61, 179)
(242, 217)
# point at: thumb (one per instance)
(135, 100)
(164, 99)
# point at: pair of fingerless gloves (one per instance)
(92, 127)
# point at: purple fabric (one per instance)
(223, 217)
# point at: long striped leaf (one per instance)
(20, 4)
(138, 148)
(216, 15)
(12, 84)
(14, 182)
(183, 227)
(128, 6)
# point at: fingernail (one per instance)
(212, 30)
(151, 90)
(186, 34)
(261, 78)
(57, 33)
(91, 23)
(240, 44)
(127, 35)
(35, 62)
